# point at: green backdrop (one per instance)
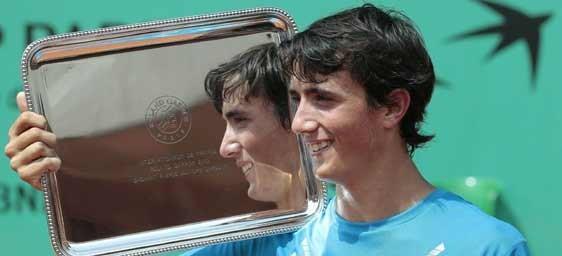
(491, 118)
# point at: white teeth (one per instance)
(316, 147)
(246, 168)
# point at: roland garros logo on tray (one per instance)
(168, 119)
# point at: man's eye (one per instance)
(320, 97)
(295, 98)
(238, 120)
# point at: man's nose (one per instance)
(230, 148)
(303, 120)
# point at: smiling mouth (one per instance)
(246, 168)
(318, 147)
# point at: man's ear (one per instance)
(399, 102)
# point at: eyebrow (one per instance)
(313, 89)
(233, 113)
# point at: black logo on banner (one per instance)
(19, 198)
(439, 82)
(516, 26)
(36, 30)
(32, 32)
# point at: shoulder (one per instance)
(462, 214)
(473, 228)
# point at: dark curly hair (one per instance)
(256, 72)
(381, 49)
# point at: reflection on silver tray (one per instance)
(139, 139)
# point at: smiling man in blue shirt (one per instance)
(360, 82)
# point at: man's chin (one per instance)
(257, 196)
(323, 172)
(252, 194)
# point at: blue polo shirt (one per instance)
(441, 224)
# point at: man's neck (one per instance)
(391, 185)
